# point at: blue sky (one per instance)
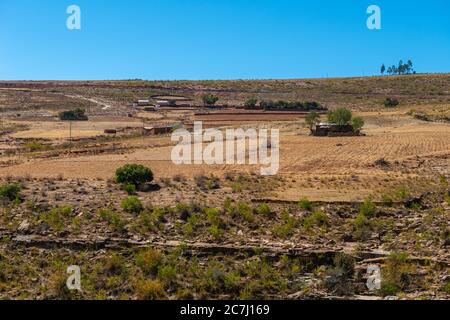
(218, 39)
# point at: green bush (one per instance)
(367, 208)
(341, 116)
(358, 124)
(134, 174)
(244, 210)
(362, 227)
(207, 183)
(130, 188)
(216, 231)
(168, 274)
(132, 204)
(391, 102)
(209, 99)
(77, 114)
(149, 261)
(250, 103)
(10, 191)
(35, 146)
(113, 219)
(305, 204)
(287, 227)
(318, 218)
(264, 210)
(397, 274)
(213, 215)
(311, 119)
(56, 217)
(150, 290)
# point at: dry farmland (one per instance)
(378, 196)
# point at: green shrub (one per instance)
(357, 123)
(318, 218)
(35, 146)
(10, 192)
(134, 174)
(446, 287)
(250, 103)
(287, 227)
(168, 274)
(447, 198)
(362, 227)
(340, 116)
(245, 211)
(113, 219)
(311, 119)
(264, 210)
(192, 224)
(210, 99)
(367, 208)
(132, 204)
(130, 188)
(391, 102)
(397, 274)
(213, 215)
(207, 183)
(56, 217)
(184, 210)
(216, 231)
(150, 290)
(305, 204)
(77, 114)
(114, 265)
(149, 261)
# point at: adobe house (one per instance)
(171, 101)
(153, 131)
(327, 129)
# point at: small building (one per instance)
(110, 131)
(153, 131)
(326, 129)
(143, 103)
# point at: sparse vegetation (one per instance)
(305, 204)
(10, 192)
(250, 103)
(210, 99)
(132, 204)
(397, 274)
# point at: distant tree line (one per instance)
(252, 103)
(402, 68)
(286, 105)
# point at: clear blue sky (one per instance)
(219, 39)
